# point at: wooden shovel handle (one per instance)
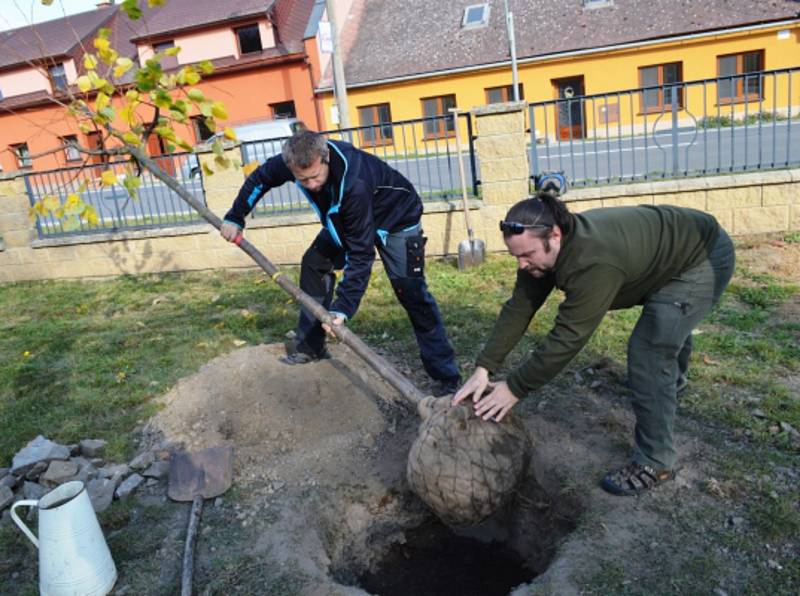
(188, 549)
(380, 364)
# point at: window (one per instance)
(58, 77)
(441, 123)
(748, 86)
(249, 39)
(283, 109)
(167, 62)
(22, 154)
(94, 141)
(656, 100)
(201, 131)
(502, 94)
(71, 151)
(476, 15)
(378, 119)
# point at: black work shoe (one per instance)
(299, 357)
(449, 387)
(634, 479)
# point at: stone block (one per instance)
(507, 169)
(759, 220)
(628, 201)
(694, 200)
(59, 472)
(504, 192)
(499, 146)
(725, 218)
(722, 198)
(780, 194)
(493, 124)
(579, 206)
(13, 221)
(794, 221)
(37, 450)
(18, 238)
(93, 447)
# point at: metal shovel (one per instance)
(471, 252)
(194, 477)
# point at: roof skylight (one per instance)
(476, 15)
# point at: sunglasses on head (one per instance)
(515, 228)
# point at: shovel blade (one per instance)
(470, 253)
(207, 473)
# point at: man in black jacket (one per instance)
(363, 204)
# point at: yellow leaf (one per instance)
(51, 203)
(99, 83)
(90, 215)
(82, 188)
(207, 169)
(222, 161)
(109, 178)
(249, 168)
(90, 62)
(229, 133)
(84, 83)
(195, 94)
(101, 44)
(85, 127)
(102, 101)
(131, 138)
(219, 111)
(173, 51)
(46, 3)
(132, 94)
(128, 115)
(32, 214)
(71, 224)
(73, 205)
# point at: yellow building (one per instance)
(414, 59)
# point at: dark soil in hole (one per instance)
(437, 562)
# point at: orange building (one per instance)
(265, 57)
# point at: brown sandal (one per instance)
(634, 478)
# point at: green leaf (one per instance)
(131, 8)
(206, 67)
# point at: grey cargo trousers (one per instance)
(660, 346)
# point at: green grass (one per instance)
(86, 359)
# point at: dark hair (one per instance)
(543, 210)
(303, 148)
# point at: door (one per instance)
(569, 108)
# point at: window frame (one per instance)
(445, 127)
(70, 142)
(23, 162)
(57, 77)
(738, 79)
(377, 129)
(486, 10)
(276, 115)
(661, 105)
(255, 26)
(198, 123)
(506, 90)
(167, 62)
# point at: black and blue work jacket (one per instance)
(363, 201)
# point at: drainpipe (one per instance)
(339, 84)
(513, 48)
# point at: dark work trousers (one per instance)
(660, 346)
(403, 256)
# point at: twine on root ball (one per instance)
(462, 467)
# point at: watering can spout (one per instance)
(74, 559)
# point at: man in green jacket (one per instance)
(674, 261)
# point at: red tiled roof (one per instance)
(50, 38)
(417, 37)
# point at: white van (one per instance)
(260, 140)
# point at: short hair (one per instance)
(544, 210)
(303, 148)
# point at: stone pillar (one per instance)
(501, 148)
(221, 188)
(15, 228)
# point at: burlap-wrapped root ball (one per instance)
(465, 468)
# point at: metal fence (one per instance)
(155, 206)
(711, 126)
(423, 150)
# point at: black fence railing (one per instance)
(735, 123)
(423, 150)
(156, 206)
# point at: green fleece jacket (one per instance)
(613, 258)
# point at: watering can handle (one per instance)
(20, 523)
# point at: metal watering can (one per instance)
(74, 559)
